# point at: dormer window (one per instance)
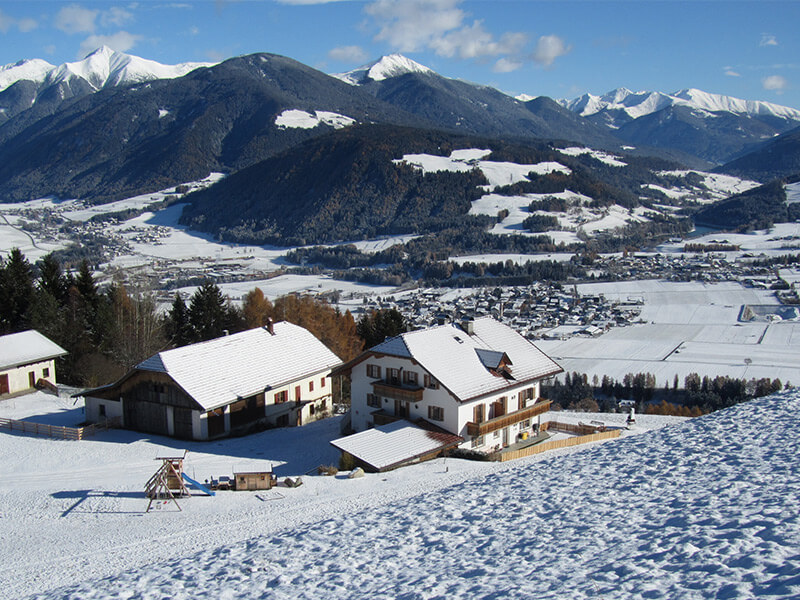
(497, 363)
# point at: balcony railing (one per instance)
(397, 391)
(477, 429)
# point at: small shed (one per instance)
(395, 445)
(255, 480)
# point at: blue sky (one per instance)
(745, 49)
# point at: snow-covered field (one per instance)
(702, 508)
(685, 328)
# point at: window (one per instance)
(479, 414)
(525, 397)
(311, 409)
(430, 382)
(281, 397)
(410, 377)
(477, 442)
(310, 386)
(373, 400)
(436, 413)
(393, 376)
(46, 372)
(101, 409)
(374, 371)
(322, 382)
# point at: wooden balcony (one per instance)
(397, 391)
(478, 429)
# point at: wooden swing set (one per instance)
(167, 483)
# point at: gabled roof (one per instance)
(220, 371)
(395, 444)
(27, 347)
(458, 360)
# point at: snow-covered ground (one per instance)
(717, 187)
(685, 328)
(703, 508)
(603, 157)
(301, 119)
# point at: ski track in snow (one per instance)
(707, 508)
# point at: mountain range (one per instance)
(114, 125)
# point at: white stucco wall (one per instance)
(113, 409)
(19, 379)
(456, 414)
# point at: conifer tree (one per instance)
(16, 292)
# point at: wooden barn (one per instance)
(279, 374)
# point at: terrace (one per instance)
(498, 423)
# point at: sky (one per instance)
(745, 49)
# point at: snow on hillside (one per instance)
(35, 70)
(300, 119)
(714, 187)
(793, 193)
(603, 157)
(497, 173)
(101, 68)
(709, 508)
(638, 104)
(385, 67)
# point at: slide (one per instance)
(199, 486)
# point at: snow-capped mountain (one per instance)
(385, 67)
(639, 104)
(102, 68)
(35, 70)
(37, 83)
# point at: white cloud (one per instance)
(411, 25)
(439, 25)
(349, 54)
(24, 25)
(475, 42)
(122, 41)
(6, 22)
(506, 65)
(115, 17)
(730, 72)
(76, 19)
(768, 40)
(549, 48)
(775, 83)
(306, 2)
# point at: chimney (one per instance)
(270, 326)
(468, 325)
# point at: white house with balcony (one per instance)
(479, 380)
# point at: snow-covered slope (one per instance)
(709, 508)
(385, 67)
(35, 70)
(638, 104)
(102, 68)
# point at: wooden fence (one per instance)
(565, 443)
(56, 431)
(579, 429)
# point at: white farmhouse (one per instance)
(277, 374)
(27, 361)
(479, 381)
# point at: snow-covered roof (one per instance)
(458, 360)
(394, 444)
(27, 347)
(220, 371)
